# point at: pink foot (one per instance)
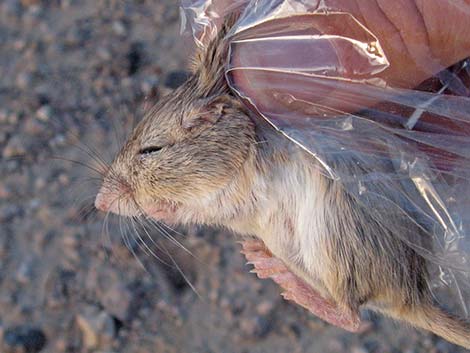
(296, 290)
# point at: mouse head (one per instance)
(185, 150)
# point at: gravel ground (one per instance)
(74, 75)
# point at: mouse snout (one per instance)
(115, 200)
(101, 202)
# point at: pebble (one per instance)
(7, 117)
(255, 327)
(64, 179)
(24, 273)
(372, 345)
(30, 2)
(40, 183)
(265, 307)
(13, 119)
(14, 148)
(23, 80)
(359, 350)
(97, 327)
(12, 7)
(34, 127)
(25, 339)
(3, 116)
(335, 345)
(44, 113)
(442, 346)
(104, 54)
(4, 192)
(119, 28)
(74, 37)
(149, 84)
(9, 212)
(60, 286)
(3, 137)
(58, 141)
(117, 300)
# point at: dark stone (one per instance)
(135, 58)
(9, 212)
(176, 78)
(30, 339)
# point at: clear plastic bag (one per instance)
(331, 82)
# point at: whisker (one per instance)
(125, 237)
(138, 239)
(105, 235)
(182, 273)
(170, 237)
(79, 163)
(88, 150)
(154, 243)
(172, 229)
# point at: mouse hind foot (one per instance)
(296, 289)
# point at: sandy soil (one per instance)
(73, 77)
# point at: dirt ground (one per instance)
(73, 78)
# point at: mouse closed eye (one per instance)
(150, 150)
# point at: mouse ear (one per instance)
(207, 112)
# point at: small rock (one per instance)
(40, 183)
(64, 179)
(265, 307)
(175, 79)
(3, 137)
(30, 2)
(58, 141)
(104, 54)
(74, 37)
(371, 345)
(149, 84)
(34, 128)
(119, 28)
(255, 327)
(24, 339)
(14, 148)
(3, 116)
(19, 44)
(444, 346)
(98, 327)
(10, 212)
(23, 80)
(4, 192)
(335, 345)
(12, 7)
(13, 119)
(117, 300)
(44, 113)
(59, 286)
(135, 57)
(25, 271)
(359, 350)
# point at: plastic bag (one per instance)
(321, 76)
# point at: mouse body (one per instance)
(199, 156)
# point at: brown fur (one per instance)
(218, 166)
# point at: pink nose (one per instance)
(101, 202)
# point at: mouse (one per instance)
(199, 156)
